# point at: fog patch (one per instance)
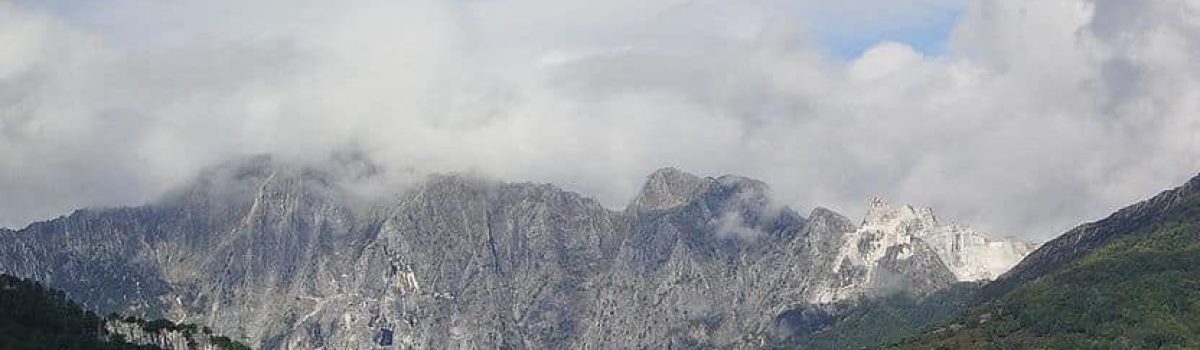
(1029, 103)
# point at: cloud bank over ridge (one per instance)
(1035, 116)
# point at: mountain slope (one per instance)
(1131, 280)
(870, 322)
(289, 256)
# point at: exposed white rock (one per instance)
(971, 254)
(910, 241)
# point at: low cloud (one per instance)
(731, 225)
(1037, 115)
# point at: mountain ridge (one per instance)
(1129, 280)
(1087, 237)
(281, 257)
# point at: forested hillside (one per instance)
(1134, 284)
(35, 317)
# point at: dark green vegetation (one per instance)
(875, 321)
(1137, 288)
(35, 317)
(228, 344)
(190, 332)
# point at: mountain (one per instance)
(888, 233)
(1131, 280)
(282, 255)
(35, 317)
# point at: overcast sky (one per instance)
(1023, 117)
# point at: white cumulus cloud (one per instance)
(1037, 115)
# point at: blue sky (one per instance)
(845, 31)
(929, 36)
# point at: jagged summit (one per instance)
(906, 248)
(743, 182)
(741, 191)
(905, 219)
(730, 207)
(670, 173)
(823, 213)
(667, 188)
(670, 187)
(278, 254)
(969, 253)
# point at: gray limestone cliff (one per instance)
(282, 256)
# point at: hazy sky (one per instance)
(1024, 117)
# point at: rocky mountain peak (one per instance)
(904, 219)
(826, 217)
(497, 263)
(739, 191)
(971, 254)
(667, 188)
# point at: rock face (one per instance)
(971, 255)
(283, 256)
(665, 189)
(906, 249)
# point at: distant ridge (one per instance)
(280, 255)
(1130, 281)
